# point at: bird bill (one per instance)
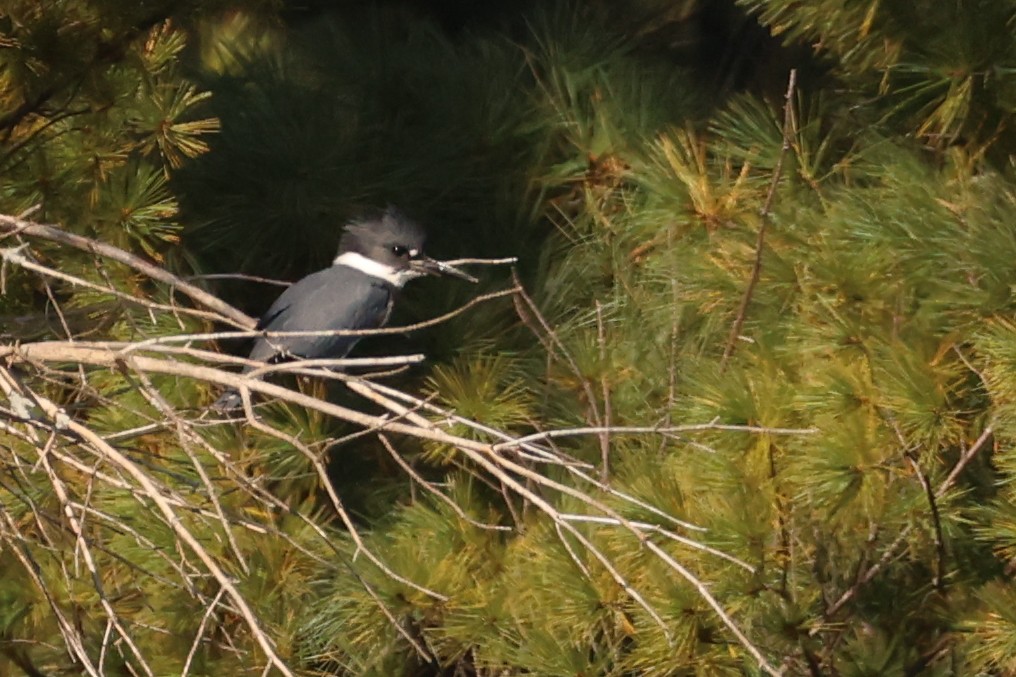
(429, 266)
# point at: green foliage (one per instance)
(877, 539)
(942, 71)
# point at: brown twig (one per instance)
(937, 580)
(14, 255)
(897, 544)
(601, 338)
(54, 234)
(99, 447)
(430, 488)
(789, 130)
(528, 310)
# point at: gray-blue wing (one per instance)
(335, 298)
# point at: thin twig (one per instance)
(201, 631)
(641, 430)
(663, 532)
(103, 450)
(511, 260)
(937, 579)
(968, 455)
(415, 477)
(789, 130)
(241, 276)
(421, 651)
(528, 310)
(601, 339)
(54, 234)
(14, 255)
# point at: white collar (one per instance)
(396, 278)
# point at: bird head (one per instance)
(391, 247)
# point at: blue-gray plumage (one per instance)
(312, 304)
(376, 258)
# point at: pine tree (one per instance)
(746, 410)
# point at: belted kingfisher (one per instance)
(376, 258)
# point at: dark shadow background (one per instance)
(445, 108)
(482, 120)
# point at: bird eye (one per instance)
(399, 250)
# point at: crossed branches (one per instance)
(54, 442)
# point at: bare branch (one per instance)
(429, 487)
(642, 430)
(9, 224)
(54, 234)
(605, 391)
(789, 130)
(15, 255)
(103, 450)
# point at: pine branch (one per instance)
(107, 52)
(900, 541)
(499, 467)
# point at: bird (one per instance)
(377, 256)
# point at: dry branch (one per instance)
(487, 456)
(152, 492)
(766, 212)
(11, 224)
(497, 457)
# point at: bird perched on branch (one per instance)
(376, 258)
